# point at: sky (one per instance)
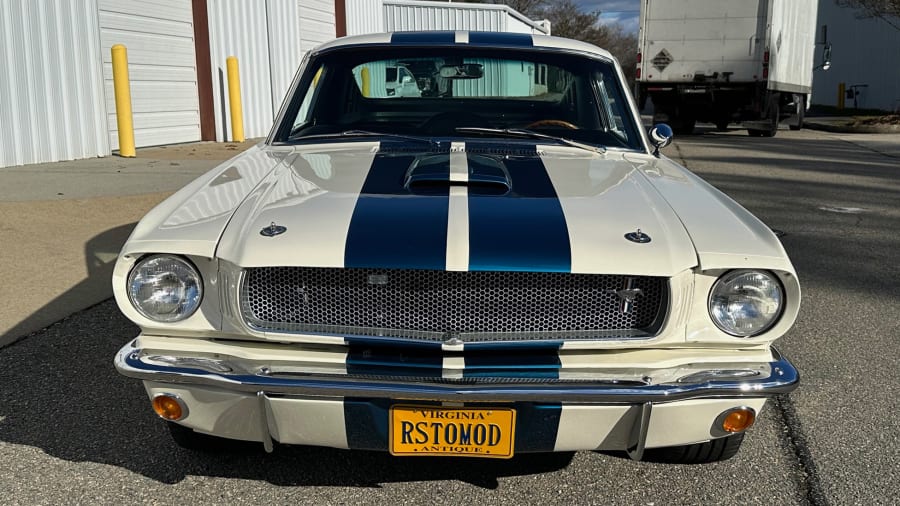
(622, 11)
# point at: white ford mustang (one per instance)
(458, 243)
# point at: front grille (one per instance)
(441, 305)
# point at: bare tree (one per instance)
(527, 7)
(886, 10)
(568, 20)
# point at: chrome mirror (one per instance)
(660, 136)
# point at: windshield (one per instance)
(436, 91)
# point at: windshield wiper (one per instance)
(366, 133)
(529, 134)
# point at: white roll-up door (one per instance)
(159, 35)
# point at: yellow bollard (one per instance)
(234, 100)
(122, 87)
(317, 76)
(366, 82)
(842, 95)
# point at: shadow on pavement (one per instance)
(59, 392)
(100, 255)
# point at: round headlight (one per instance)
(746, 303)
(165, 288)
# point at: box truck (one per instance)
(727, 61)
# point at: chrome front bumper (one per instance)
(244, 391)
(749, 380)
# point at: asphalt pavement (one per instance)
(73, 431)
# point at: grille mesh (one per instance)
(439, 305)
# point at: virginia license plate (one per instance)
(462, 432)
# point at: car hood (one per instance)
(486, 206)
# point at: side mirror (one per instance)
(660, 136)
(406, 80)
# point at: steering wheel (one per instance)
(552, 123)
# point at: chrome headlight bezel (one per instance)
(186, 274)
(772, 294)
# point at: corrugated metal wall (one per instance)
(373, 16)
(269, 43)
(284, 56)
(399, 15)
(364, 16)
(316, 23)
(239, 28)
(159, 36)
(51, 83)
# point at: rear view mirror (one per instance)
(464, 71)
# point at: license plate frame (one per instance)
(451, 431)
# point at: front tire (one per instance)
(715, 450)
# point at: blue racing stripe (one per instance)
(501, 39)
(538, 360)
(423, 38)
(419, 359)
(366, 423)
(392, 227)
(536, 427)
(524, 230)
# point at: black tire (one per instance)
(188, 439)
(774, 119)
(722, 125)
(715, 450)
(755, 133)
(684, 126)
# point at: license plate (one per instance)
(461, 432)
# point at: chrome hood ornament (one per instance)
(638, 237)
(272, 230)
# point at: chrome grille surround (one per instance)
(471, 306)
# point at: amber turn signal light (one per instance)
(738, 420)
(169, 407)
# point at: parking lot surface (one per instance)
(73, 431)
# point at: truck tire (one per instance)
(774, 119)
(684, 125)
(715, 450)
(801, 113)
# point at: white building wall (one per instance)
(269, 40)
(364, 16)
(864, 51)
(159, 37)
(402, 15)
(239, 28)
(51, 82)
(374, 16)
(316, 23)
(284, 47)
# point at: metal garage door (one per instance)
(159, 35)
(273, 37)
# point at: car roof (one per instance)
(462, 38)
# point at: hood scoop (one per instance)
(431, 174)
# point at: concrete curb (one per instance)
(842, 128)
